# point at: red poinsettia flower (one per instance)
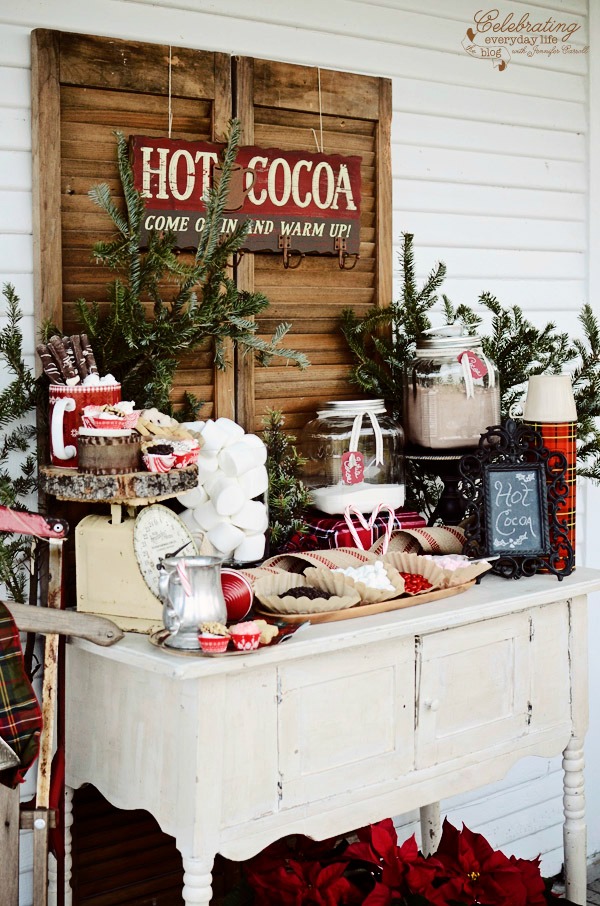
(532, 879)
(295, 883)
(378, 845)
(476, 873)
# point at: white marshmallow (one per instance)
(195, 497)
(212, 481)
(187, 517)
(207, 466)
(251, 548)
(231, 429)
(255, 482)
(227, 496)
(206, 516)
(254, 441)
(252, 517)
(213, 436)
(237, 458)
(225, 537)
(194, 426)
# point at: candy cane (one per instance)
(349, 512)
(390, 524)
(185, 582)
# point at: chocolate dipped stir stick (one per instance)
(63, 360)
(88, 354)
(49, 365)
(80, 363)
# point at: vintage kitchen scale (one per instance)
(117, 555)
(118, 563)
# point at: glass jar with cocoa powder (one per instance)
(451, 391)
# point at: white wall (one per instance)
(490, 173)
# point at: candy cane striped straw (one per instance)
(185, 582)
(383, 507)
(349, 512)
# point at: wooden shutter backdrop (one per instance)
(86, 87)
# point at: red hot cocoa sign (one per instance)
(312, 198)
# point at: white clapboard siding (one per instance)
(489, 172)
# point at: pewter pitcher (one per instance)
(183, 613)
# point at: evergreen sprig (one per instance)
(18, 475)
(383, 343)
(141, 335)
(288, 497)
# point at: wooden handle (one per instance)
(65, 622)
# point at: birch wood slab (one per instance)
(133, 488)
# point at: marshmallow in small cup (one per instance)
(255, 482)
(91, 379)
(228, 496)
(237, 458)
(225, 537)
(251, 548)
(252, 517)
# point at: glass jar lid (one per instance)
(448, 339)
(352, 407)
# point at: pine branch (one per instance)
(142, 331)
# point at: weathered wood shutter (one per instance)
(280, 105)
(84, 88)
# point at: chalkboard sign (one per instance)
(513, 491)
(516, 510)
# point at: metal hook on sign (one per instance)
(237, 257)
(343, 255)
(285, 243)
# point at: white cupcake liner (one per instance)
(269, 589)
(322, 577)
(416, 564)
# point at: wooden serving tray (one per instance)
(364, 610)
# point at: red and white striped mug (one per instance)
(65, 415)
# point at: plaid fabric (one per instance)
(562, 438)
(20, 713)
(332, 531)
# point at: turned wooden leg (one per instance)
(574, 830)
(68, 819)
(431, 828)
(197, 881)
(52, 880)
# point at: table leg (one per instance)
(431, 827)
(574, 830)
(197, 881)
(68, 820)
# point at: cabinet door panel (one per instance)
(474, 689)
(347, 722)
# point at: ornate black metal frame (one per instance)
(512, 443)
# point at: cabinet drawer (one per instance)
(346, 722)
(474, 688)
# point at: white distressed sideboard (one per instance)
(345, 724)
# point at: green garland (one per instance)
(18, 401)
(383, 343)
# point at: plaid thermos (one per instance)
(550, 409)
